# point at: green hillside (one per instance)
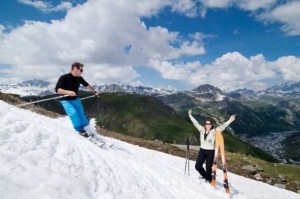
(291, 146)
(253, 117)
(140, 116)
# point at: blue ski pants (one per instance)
(74, 110)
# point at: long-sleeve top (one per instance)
(70, 82)
(209, 142)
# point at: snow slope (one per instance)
(42, 157)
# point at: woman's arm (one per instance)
(195, 122)
(223, 126)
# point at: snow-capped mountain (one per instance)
(141, 90)
(204, 92)
(47, 159)
(40, 87)
(29, 88)
(208, 92)
(244, 91)
(286, 88)
(34, 83)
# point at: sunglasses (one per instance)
(81, 70)
(207, 123)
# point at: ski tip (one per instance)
(227, 191)
(213, 183)
(228, 195)
(109, 144)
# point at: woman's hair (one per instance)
(209, 120)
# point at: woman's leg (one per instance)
(199, 163)
(209, 162)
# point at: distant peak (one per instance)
(205, 88)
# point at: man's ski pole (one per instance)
(43, 100)
(88, 97)
(187, 160)
(52, 98)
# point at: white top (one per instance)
(209, 142)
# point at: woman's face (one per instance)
(208, 125)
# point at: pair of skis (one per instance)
(219, 145)
(98, 141)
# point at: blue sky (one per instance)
(160, 43)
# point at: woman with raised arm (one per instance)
(207, 144)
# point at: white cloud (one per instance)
(186, 7)
(250, 5)
(174, 71)
(285, 12)
(288, 14)
(289, 67)
(233, 70)
(111, 74)
(96, 33)
(216, 3)
(253, 5)
(45, 6)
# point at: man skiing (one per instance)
(207, 140)
(68, 84)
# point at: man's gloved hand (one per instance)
(97, 94)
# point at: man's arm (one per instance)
(66, 92)
(92, 90)
(59, 85)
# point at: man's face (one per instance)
(79, 71)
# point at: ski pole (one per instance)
(43, 100)
(187, 160)
(88, 97)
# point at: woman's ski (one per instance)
(220, 145)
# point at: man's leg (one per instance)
(71, 111)
(80, 111)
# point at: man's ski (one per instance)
(98, 141)
(95, 141)
(220, 145)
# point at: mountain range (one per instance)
(205, 92)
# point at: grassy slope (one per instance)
(141, 116)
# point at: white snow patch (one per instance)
(41, 157)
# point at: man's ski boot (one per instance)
(83, 133)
